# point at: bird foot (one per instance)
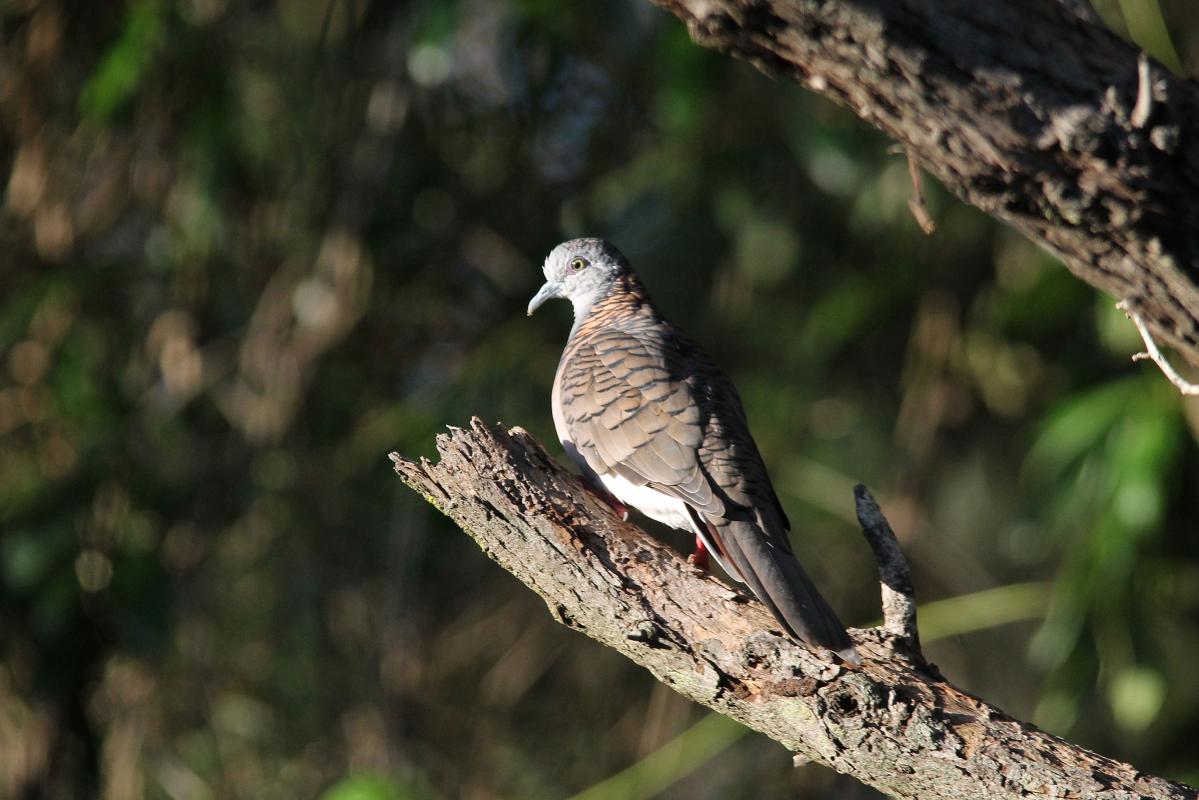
(620, 508)
(699, 559)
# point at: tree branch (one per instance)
(1030, 110)
(893, 724)
(1154, 353)
(899, 596)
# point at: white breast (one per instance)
(650, 502)
(665, 509)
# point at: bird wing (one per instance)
(631, 412)
(752, 534)
(648, 405)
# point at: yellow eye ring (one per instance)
(577, 264)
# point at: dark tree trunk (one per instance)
(1030, 110)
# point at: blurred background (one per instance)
(250, 248)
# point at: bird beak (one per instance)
(551, 290)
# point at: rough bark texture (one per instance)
(894, 724)
(1030, 110)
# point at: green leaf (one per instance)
(1147, 27)
(1137, 695)
(1078, 426)
(369, 787)
(126, 63)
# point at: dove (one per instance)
(652, 421)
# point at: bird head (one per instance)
(581, 271)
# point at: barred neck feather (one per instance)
(625, 297)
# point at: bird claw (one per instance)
(699, 559)
(620, 508)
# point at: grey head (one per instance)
(582, 271)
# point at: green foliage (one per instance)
(1146, 25)
(1108, 461)
(671, 762)
(369, 787)
(126, 62)
(251, 248)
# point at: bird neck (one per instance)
(623, 296)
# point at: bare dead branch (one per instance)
(898, 595)
(916, 203)
(1155, 354)
(892, 723)
(1143, 108)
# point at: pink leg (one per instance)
(620, 508)
(699, 559)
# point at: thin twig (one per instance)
(1155, 354)
(1144, 104)
(916, 202)
(899, 598)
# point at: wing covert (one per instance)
(628, 414)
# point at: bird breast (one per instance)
(650, 502)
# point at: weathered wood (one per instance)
(894, 724)
(1030, 110)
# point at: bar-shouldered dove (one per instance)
(651, 419)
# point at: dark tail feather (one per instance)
(779, 581)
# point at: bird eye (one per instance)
(578, 263)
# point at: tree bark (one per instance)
(1030, 110)
(894, 724)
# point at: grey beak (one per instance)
(551, 290)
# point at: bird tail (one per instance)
(779, 580)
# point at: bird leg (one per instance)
(620, 508)
(699, 559)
